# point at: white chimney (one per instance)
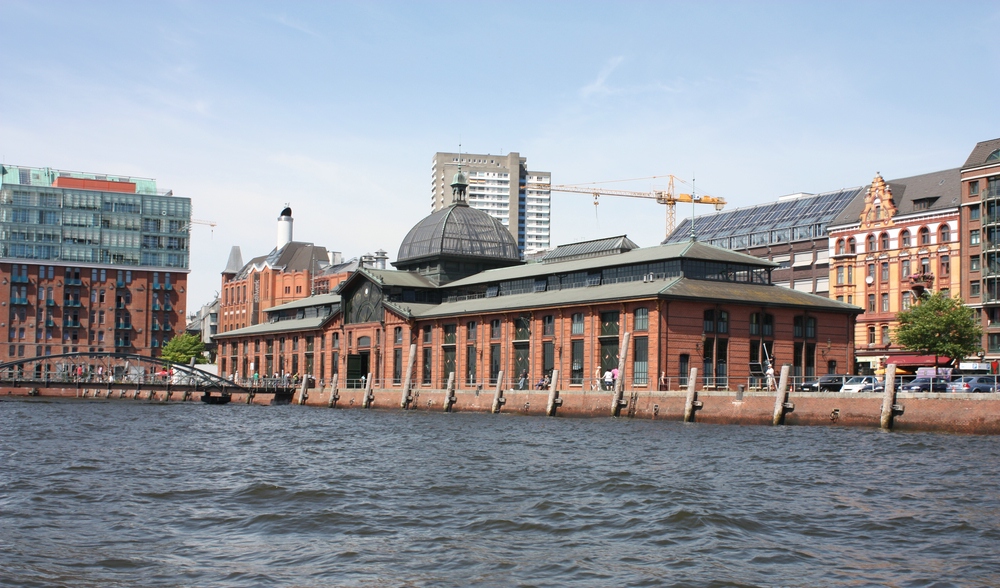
(285, 227)
(335, 257)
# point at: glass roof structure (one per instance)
(790, 219)
(459, 231)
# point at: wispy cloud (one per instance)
(599, 85)
(295, 25)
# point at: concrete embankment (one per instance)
(958, 413)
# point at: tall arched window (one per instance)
(840, 247)
(852, 245)
(904, 238)
(944, 233)
(925, 236)
(870, 244)
(884, 238)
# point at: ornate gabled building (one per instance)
(488, 319)
(891, 243)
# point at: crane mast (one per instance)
(666, 197)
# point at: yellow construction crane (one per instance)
(666, 197)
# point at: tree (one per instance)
(940, 326)
(182, 348)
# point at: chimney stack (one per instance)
(284, 227)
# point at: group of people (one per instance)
(543, 383)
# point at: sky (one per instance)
(337, 108)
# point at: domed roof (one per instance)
(286, 211)
(459, 231)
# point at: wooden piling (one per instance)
(616, 398)
(888, 397)
(334, 397)
(554, 400)
(449, 392)
(407, 397)
(498, 399)
(779, 397)
(303, 390)
(369, 397)
(690, 400)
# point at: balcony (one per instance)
(122, 343)
(119, 284)
(156, 327)
(71, 325)
(19, 279)
(71, 303)
(156, 306)
(166, 327)
(167, 307)
(49, 322)
(920, 281)
(50, 302)
(155, 286)
(74, 282)
(16, 301)
(123, 326)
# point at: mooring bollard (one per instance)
(449, 392)
(303, 390)
(334, 397)
(498, 399)
(616, 400)
(554, 400)
(689, 402)
(407, 397)
(889, 396)
(779, 397)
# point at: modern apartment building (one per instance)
(980, 236)
(503, 187)
(89, 262)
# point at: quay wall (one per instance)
(945, 412)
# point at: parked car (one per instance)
(827, 383)
(973, 384)
(926, 385)
(856, 383)
(876, 387)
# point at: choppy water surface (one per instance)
(128, 494)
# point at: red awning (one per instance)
(917, 360)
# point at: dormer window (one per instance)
(924, 203)
(994, 156)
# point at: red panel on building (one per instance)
(98, 185)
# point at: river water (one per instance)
(116, 493)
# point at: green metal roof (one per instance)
(306, 324)
(315, 300)
(762, 294)
(686, 250)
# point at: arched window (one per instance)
(993, 156)
(925, 236)
(840, 247)
(852, 245)
(904, 238)
(944, 233)
(870, 244)
(884, 238)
